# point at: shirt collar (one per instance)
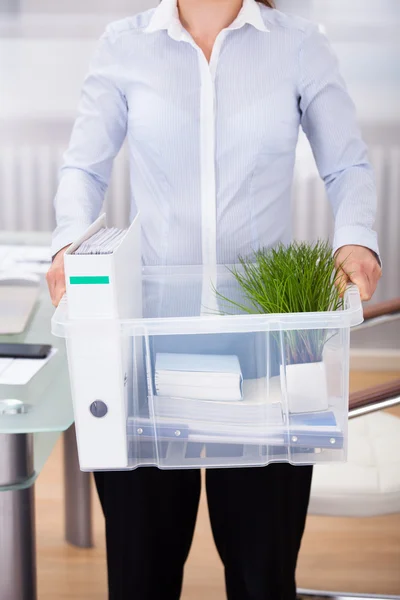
(250, 13)
(166, 17)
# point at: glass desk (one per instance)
(32, 417)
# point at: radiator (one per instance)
(29, 174)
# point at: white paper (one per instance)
(259, 396)
(19, 371)
(4, 251)
(29, 259)
(104, 241)
(199, 377)
(34, 267)
(4, 364)
(306, 387)
(9, 276)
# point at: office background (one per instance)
(45, 48)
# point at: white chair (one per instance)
(369, 483)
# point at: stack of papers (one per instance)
(260, 413)
(199, 376)
(260, 404)
(105, 241)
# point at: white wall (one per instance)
(52, 70)
(78, 6)
(46, 47)
(51, 85)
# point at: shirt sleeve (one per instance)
(96, 139)
(328, 118)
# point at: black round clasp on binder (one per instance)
(98, 408)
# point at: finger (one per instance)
(342, 260)
(59, 293)
(374, 280)
(361, 280)
(56, 284)
(341, 282)
(50, 284)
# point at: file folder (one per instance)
(105, 285)
(102, 288)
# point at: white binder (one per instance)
(100, 290)
(104, 285)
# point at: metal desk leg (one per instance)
(17, 519)
(77, 496)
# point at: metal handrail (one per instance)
(380, 313)
(381, 309)
(318, 595)
(387, 394)
(374, 398)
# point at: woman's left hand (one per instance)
(359, 265)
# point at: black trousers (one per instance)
(257, 517)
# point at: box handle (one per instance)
(352, 300)
(59, 320)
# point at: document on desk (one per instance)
(19, 371)
(30, 259)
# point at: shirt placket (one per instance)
(207, 72)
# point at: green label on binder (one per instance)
(89, 280)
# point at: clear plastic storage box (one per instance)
(185, 387)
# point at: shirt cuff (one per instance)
(65, 237)
(356, 235)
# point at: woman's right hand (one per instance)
(56, 277)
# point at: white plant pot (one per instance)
(305, 387)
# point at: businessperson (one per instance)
(210, 95)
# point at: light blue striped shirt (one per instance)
(212, 145)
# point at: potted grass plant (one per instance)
(296, 278)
